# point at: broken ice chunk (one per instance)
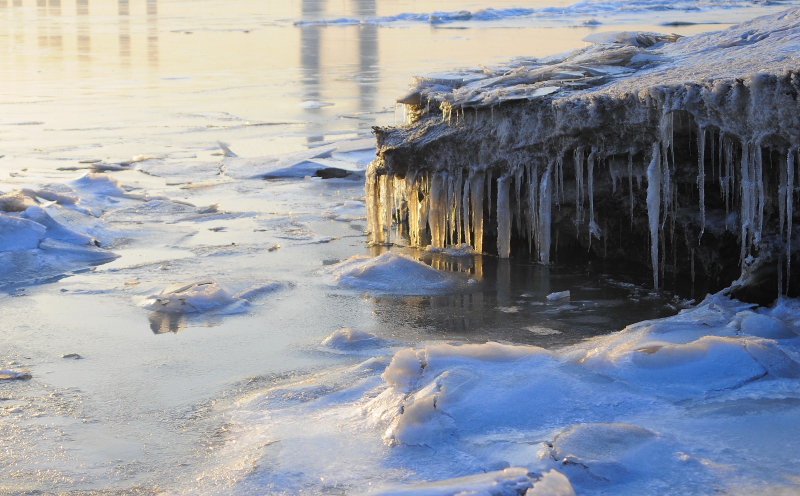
(561, 295)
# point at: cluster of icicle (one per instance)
(447, 207)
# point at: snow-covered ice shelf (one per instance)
(676, 155)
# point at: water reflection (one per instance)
(368, 73)
(509, 303)
(310, 44)
(84, 38)
(365, 73)
(123, 11)
(152, 33)
(162, 323)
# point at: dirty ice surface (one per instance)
(181, 311)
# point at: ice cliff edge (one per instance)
(679, 155)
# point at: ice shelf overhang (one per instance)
(679, 155)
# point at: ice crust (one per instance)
(640, 411)
(709, 121)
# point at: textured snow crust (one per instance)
(676, 405)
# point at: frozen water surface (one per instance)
(182, 208)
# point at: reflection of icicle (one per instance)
(543, 226)
(476, 188)
(701, 176)
(594, 229)
(503, 217)
(654, 206)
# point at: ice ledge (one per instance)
(675, 154)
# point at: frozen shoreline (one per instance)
(189, 304)
(645, 148)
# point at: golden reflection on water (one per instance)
(155, 68)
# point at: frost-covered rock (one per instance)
(674, 155)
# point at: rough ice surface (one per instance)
(46, 233)
(510, 159)
(666, 406)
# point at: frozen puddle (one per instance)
(654, 409)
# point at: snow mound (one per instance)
(391, 273)
(203, 297)
(352, 339)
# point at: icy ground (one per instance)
(704, 402)
(181, 316)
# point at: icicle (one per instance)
(594, 229)
(503, 217)
(489, 191)
(455, 206)
(465, 213)
(746, 207)
(559, 196)
(518, 217)
(789, 200)
(543, 228)
(372, 199)
(533, 205)
(666, 185)
(727, 152)
(654, 206)
(437, 210)
(578, 159)
(630, 182)
(758, 171)
(414, 210)
(386, 207)
(476, 189)
(701, 177)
